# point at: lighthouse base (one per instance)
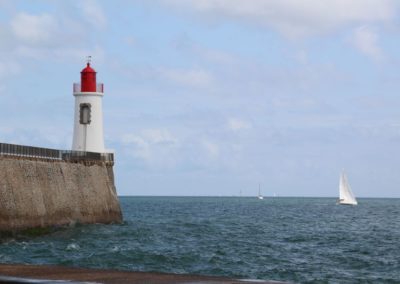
(35, 193)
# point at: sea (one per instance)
(298, 240)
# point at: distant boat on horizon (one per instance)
(259, 192)
(346, 196)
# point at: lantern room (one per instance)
(88, 79)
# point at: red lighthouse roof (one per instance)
(88, 69)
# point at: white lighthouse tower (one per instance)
(88, 122)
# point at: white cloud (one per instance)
(190, 77)
(295, 18)
(34, 29)
(366, 40)
(154, 146)
(187, 77)
(141, 147)
(8, 67)
(159, 136)
(236, 124)
(93, 13)
(150, 137)
(60, 53)
(46, 36)
(211, 148)
(185, 43)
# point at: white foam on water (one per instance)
(73, 246)
(261, 281)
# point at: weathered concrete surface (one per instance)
(36, 193)
(111, 276)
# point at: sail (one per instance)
(259, 192)
(346, 196)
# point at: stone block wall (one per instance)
(36, 193)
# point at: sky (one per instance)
(214, 97)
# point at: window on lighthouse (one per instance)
(85, 112)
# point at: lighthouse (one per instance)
(88, 121)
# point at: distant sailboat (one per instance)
(346, 196)
(259, 192)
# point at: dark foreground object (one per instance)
(26, 274)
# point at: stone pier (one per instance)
(40, 193)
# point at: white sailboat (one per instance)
(259, 192)
(346, 196)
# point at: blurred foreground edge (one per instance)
(10, 273)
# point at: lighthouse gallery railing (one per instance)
(77, 88)
(53, 154)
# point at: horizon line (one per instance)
(254, 196)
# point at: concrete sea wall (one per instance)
(37, 193)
